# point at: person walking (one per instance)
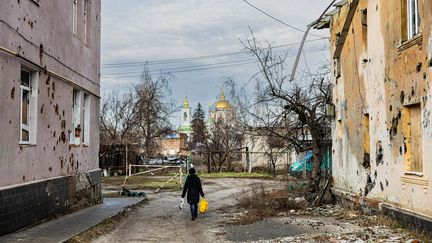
(194, 190)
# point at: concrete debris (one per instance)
(333, 223)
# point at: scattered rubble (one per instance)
(333, 223)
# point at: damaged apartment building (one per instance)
(49, 105)
(381, 53)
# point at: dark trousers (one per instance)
(194, 210)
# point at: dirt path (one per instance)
(161, 220)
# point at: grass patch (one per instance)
(141, 182)
(235, 175)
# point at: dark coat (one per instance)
(193, 188)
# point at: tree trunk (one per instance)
(209, 162)
(316, 171)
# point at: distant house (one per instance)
(49, 104)
(174, 145)
(382, 57)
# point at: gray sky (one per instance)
(154, 30)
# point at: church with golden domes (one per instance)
(222, 110)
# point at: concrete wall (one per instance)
(382, 77)
(39, 37)
(259, 153)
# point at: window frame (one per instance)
(413, 29)
(22, 125)
(31, 126)
(410, 154)
(85, 129)
(76, 117)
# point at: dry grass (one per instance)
(260, 204)
(392, 223)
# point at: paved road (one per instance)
(161, 220)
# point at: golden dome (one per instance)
(186, 103)
(222, 103)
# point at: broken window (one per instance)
(413, 136)
(28, 102)
(86, 119)
(75, 17)
(410, 19)
(75, 133)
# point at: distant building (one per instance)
(174, 145)
(186, 119)
(263, 151)
(222, 110)
(49, 103)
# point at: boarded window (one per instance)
(413, 138)
(366, 140)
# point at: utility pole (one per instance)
(248, 161)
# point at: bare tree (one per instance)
(298, 105)
(275, 150)
(117, 117)
(153, 110)
(224, 141)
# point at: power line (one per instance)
(199, 67)
(191, 70)
(195, 66)
(182, 59)
(278, 20)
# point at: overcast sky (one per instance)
(160, 30)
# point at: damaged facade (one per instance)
(49, 103)
(381, 52)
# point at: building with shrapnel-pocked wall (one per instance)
(381, 53)
(49, 106)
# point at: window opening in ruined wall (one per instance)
(28, 103)
(413, 136)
